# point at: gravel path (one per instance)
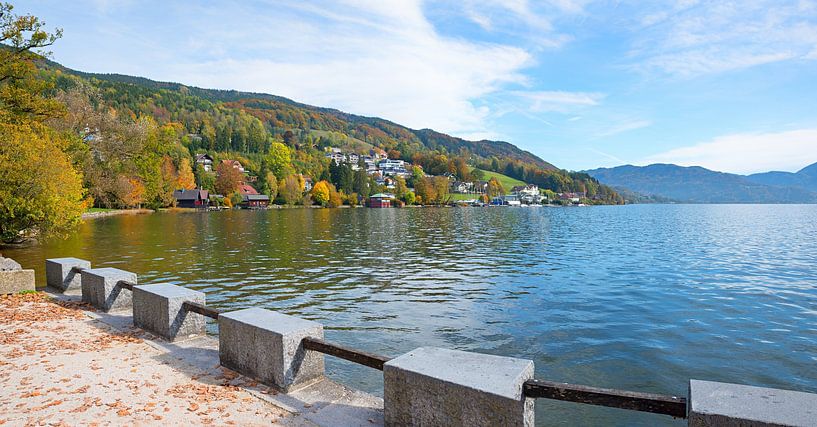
(60, 367)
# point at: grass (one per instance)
(94, 210)
(458, 196)
(505, 180)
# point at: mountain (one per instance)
(287, 114)
(805, 178)
(699, 185)
(246, 126)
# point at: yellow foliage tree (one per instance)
(186, 180)
(135, 194)
(320, 193)
(40, 192)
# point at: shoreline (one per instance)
(115, 212)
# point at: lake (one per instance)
(639, 297)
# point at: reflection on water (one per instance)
(635, 297)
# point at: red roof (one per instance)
(247, 190)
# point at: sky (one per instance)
(731, 86)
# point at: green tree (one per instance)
(409, 198)
(279, 160)
(400, 188)
(21, 92)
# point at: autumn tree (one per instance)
(292, 190)
(228, 179)
(495, 188)
(425, 190)
(442, 187)
(320, 193)
(186, 180)
(40, 191)
(134, 191)
(400, 187)
(335, 197)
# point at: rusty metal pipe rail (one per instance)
(367, 359)
(124, 284)
(201, 309)
(635, 401)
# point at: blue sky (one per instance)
(731, 86)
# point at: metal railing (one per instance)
(673, 406)
(635, 401)
(124, 284)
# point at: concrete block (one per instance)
(99, 288)
(12, 282)
(59, 274)
(267, 346)
(158, 309)
(723, 404)
(438, 387)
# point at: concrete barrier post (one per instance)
(158, 309)
(60, 275)
(267, 346)
(100, 290)
(723, 404)
(12, 282)
(438, 387)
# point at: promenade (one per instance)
(61, 363)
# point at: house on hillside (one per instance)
(246, 190)
(462, 187)
(192, 198)
(254, 201)
(308, 184)
(205, 161)
(235, 164)
(250, 198)
(527, 193)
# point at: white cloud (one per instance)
(367, 57)
(691, 39)
(624, 127)
(747, 152)
(531, 21)
(558, 101)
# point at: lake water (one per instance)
(640, 297)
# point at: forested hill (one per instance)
(285, 114)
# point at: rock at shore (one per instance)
(8, 264)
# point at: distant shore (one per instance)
(113, 212)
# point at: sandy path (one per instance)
(60, 367)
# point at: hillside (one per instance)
(805, 178)
(506, 181)
(285, 114)
(698, 185)
(244, 126)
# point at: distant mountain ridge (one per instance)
(805, 178)
(696, 184)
